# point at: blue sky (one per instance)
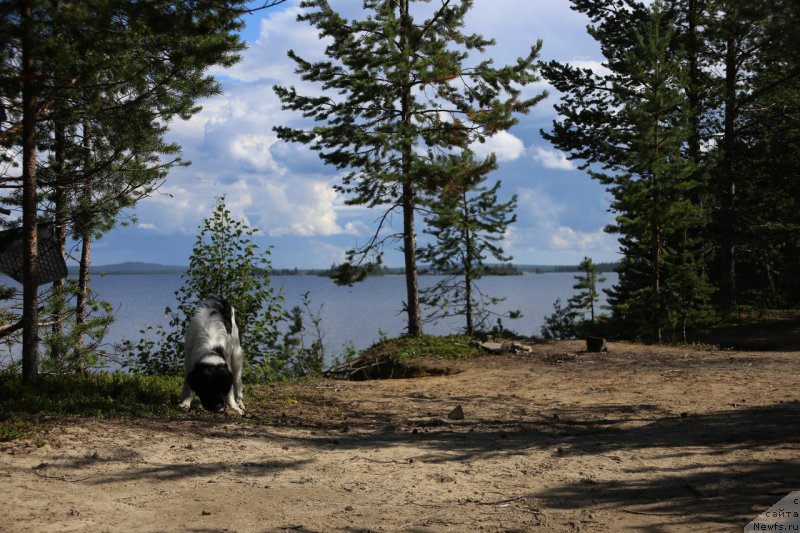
(287, 193)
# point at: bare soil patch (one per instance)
(641, 437)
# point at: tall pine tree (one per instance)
(633, 123)
(397, 93)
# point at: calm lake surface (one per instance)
(354, 316)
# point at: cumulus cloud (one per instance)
(551, 158)
(266, 58)
(539, 207)
(566, 238)
(253, 150)
(545, 230)
(277, 207)
(504, 145)
(284, 189)
(301, 207)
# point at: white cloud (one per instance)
(277, 207)
(551, 158)
(592, 64)
(300, 207)
(284, 189)
(254, 151)
(545, 231)
(266, 59)
(538, 207)
(566, 238)
(504, 145)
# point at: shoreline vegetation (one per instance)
(140, 268)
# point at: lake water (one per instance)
(356, 316)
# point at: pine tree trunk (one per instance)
(60, 223)
(468, 274)
(657, 282)
(83, 283)
(693, 92)
(410, 254)
(30, 289)
(82, 297)
(657, 236)
(409, 201)
(592, 293)
(727, 192)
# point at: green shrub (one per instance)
(225, 262)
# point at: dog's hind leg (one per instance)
(186, 396)
(237, 389)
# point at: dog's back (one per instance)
(219, 308)
(211, 329)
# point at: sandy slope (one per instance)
(641, 437)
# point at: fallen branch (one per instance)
(62, 478)
(648, 513)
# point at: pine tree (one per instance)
(635, 123)
(100, 105)
(587, 296)
(397, 92)
(467, 222)
(734, 36)
(763, 159)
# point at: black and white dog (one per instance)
(213, 358)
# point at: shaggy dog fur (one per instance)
(213, 358)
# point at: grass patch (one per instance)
(115, 395)
(13, 429)
(403, 349)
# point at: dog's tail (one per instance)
(221, 307)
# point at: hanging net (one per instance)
(51, 264)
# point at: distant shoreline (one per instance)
(137, 268)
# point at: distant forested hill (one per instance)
(132, 267)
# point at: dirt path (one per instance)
(641, 437)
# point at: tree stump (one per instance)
(596, 344)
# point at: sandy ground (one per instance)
(652, 439)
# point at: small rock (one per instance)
(456, 414)
(523, 348)
(492, 347)
(205, 513)
(684, 415)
